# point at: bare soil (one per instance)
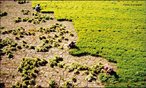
(8, 67)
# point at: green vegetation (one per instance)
(110, 29)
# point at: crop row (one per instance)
(36, 19)
(95, 72)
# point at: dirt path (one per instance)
(9, 74)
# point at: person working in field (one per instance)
(38, 8)
(108, 69)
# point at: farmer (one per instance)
(108, 69)
(38, 8)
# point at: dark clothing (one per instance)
(38, 8)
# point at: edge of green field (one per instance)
(115, 30)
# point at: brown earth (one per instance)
(8, 67)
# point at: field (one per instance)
(115, 30)
(36, 50)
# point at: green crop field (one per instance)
(115, 30)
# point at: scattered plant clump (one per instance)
(74, 79)
(37, 18)
(25, 12)
(68, 84)
(7, 46)
(3, 14)
(56, 61)
(44, 48)
(22, 1)
(92, 72)
(1, 27)
(29, 71)
(90, 77)
(25, 19)
(61, 64)
(6, 32)
(53, 40)
(76, 67)
(53, 84)
(18, 33)
(18, 19)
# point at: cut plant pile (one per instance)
(34, 52)
(29, 71)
